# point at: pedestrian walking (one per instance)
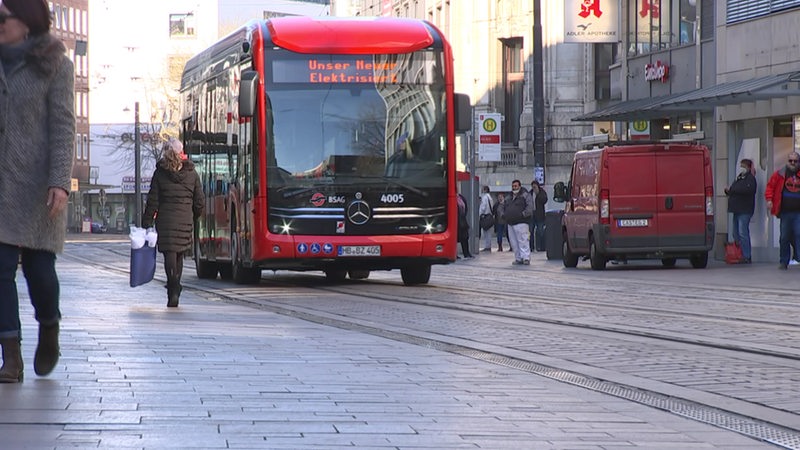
(174, 202)
(517, 210)
(538, 217)
(463, 226)
(486, 216)
(742, 203)
(37, 125)
(783, 201)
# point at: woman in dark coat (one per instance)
(742, 203)
(175, 200)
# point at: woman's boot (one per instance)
(173, 293)
(11, 372)
(46, 357)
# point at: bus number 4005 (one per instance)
(392, 198)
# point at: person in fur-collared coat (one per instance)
(37, 135)
(175, 200)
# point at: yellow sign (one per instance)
(639, 129)
(73, 184)
(490, 125)
(641, 125)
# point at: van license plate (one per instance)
(632, 223)
(359, 250)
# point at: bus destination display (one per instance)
(335, 71)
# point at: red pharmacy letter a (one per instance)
(590, 7)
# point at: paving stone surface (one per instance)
(209, 375)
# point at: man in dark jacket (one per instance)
(742, 202)
(537, 220)
(517, 210)
(175, 200)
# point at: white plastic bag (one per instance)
(138, 237)
(151, 237)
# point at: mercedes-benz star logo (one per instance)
(358, 212)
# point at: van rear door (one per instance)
(681, 196)
(632, 182)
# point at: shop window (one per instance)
(686, 125)
(660, 129)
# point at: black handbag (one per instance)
(486, 221)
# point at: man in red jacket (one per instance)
(783, 201)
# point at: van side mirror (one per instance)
(247, 93)
(560, 192)
(463, 113)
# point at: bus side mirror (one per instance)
(463, 113)
(560, 192)
(247, 93)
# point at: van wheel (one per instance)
(570, 259)
(598, 261)
(668, 262)
(699, 261)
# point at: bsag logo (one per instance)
(318, 199)
(336, 199)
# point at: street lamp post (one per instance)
(538, 90)
(137, 150)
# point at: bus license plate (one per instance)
(360, 250)
(632, 223)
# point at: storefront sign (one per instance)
(591, 21)
(657, 71)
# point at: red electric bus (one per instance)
(325, 144)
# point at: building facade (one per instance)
(728, 69)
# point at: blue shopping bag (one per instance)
(143, 265)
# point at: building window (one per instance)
(181, 25)
(604, 57)
(741, 10)
(513, 84)
(707, 19)
(85, 146)
(655, 25)
(687, 25)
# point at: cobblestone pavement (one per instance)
(134, 374)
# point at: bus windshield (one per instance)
(355, 120)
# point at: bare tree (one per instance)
(163, 122)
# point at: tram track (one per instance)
(383, 307)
